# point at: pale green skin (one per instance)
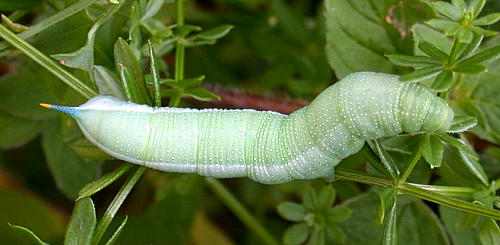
(267, 147)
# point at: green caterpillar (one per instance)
(265, 146)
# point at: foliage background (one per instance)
(277, 49)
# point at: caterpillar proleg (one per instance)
(265, 146)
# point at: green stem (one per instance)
(46, 62)
(52, 20)
(412, 165)
(454, 52)
(239, 210)
(179, 46)
(116, 204)
(419, 192)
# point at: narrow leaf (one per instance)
(460, 4)
(445, 25)
(296, 234)
(155, 73)
(432, 150)
(443, 81)
(462, 124)
(15, 27)
(128, 83)
(213, 34)
(389, 164)
(25, 232)
(471, 47)
(470, 68)
(483, 56)
(107, 83)
(489, 233)
(412, 61)
(292, 211)
(447, 10)
(487, 20)
(126, 58)
(431, 50)
(200, 94)
(112, 240)
(421, 74)
(476, 6)
(101, 183)
(81, 224)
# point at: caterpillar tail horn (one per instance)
(71, 111)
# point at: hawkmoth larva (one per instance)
(268, 147)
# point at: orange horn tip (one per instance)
(48, 106)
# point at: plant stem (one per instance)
(179, 46)
(412, 165)
(239, 210)
(116, 203)
(419, 192)
(46, 62)
(52, 20)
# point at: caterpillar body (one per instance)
(265, 146)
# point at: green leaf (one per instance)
(463, 34)
(390, 236)
(293, 24)
(450, 217)
(107, 83)
(443, 81)
(292, 211)
(296, 234)
(432, 150)
(11, 5)
(15, 27)
(445, 25)
(335, 233)
(387, 198)
(200, 94)
(471, 47)
(421, 74)
(112, 240)
(459, 144)
(385, 158)
(466, 221)
(34, 213)
(462, 124)
(28, 234)
(213, 34)
(448, 10)
(360, 228)
(412, 61)
(70, 172)
(101, 183)
(425, 33)
(356, 38)
(475, 7)
(489, 233)
(184, 30)
(152, 8)
(460, 4)
(154, 225)
(124, 57)
(309, 198)
(326, 197)
(16, 131)
(487, 20)
(468, 158)
(317, 237)
(483, 56)
(46, 62)
(431, 50)
(81, 223)
(470, 68)
(155, 74)
(338, 214)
